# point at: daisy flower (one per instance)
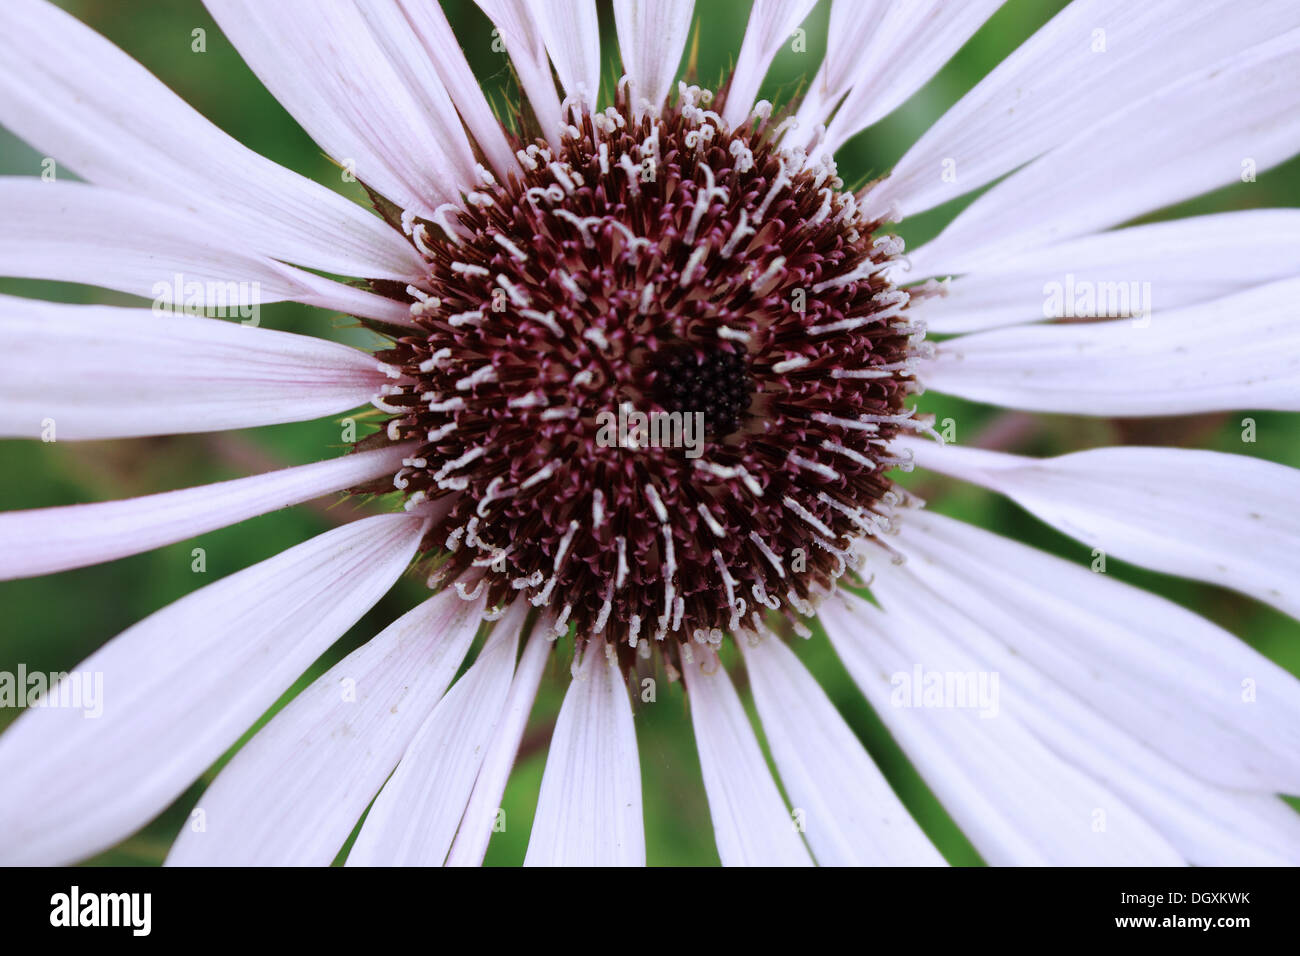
(638, 244)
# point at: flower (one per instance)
(692, 257)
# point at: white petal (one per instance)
(514, 22)
(572, 36)
(1236, 115)
(292, 795)
(75, 232)
(93, 371)
(181, 686)
(850, 815)
(771, 23)
(1185, 687)
(913, 42)
(414, 819)
(45, 540)
(1228, 519)
(1089, 63)
(76, 97)
(444, 53)
(327, 67)
(651, 38)
(480, 819)
(751, 824)
(404, 32)
(853, 23)
(1176, 263)
(1208, 825)
(1016, 801)
(589, 810)
(1241, 351)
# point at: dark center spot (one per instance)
(716, 383)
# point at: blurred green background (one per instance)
(51, 623)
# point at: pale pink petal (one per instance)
(1207, 824)
(75, 96)
(414, 819)
(442, 50)
(1182, 685)
(1238, 352)
(1227, 519)
(483, 810)
(771, 24)
(76, 232)
(45, 540)
(516, 28)
(88, 371)
(327, 67)
(571, 33)
(293, 794)
(1014, 799)
(589, 810)
(848, 813)
(1233, 117)
(751, 823)
(403, 31)
(180, 687)
(911, 44)
(651, 38)
(1087, 65)
(1159, 266)
(853, 23)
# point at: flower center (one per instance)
(650, 274)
